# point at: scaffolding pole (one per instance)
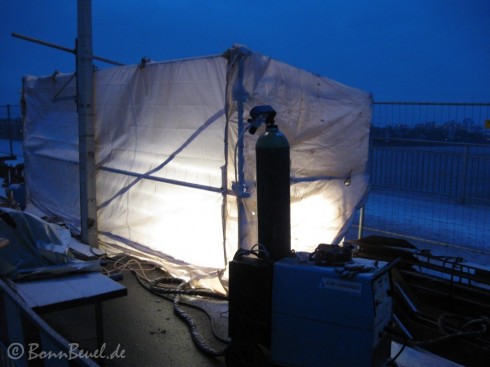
(85, 107)
(63, 48)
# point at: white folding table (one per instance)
(70, 290)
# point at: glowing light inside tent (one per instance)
(170, 219)
(315, 219)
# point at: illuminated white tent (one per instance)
(171, 178)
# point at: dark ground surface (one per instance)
(144, 326)
(141, 329)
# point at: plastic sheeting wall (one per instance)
(166, 153)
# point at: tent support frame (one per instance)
(86, 131)
(85, 107)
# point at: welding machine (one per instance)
(324, 308)
(330, 315)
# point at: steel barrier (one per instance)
(460, 172)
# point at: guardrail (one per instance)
(10, 122)
(457, 171)
(435, 148)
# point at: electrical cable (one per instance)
(158, 286)
(391, 361)
(168, 294)
(196, 336)
(131, 264)
(459, 334)
(258, 250)
(187, 319)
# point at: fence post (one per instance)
(10, 131)
(462, 178)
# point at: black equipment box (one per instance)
(249, 300)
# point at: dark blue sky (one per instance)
(414, 50)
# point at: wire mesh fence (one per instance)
(460, 172)
(10, 129)
(430, 173)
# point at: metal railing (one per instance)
(430, 173)
(440, 149)
(457, 171)
(10, 122)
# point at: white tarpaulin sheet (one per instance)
(166, 154)
(32, 248)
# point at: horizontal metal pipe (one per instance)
(44, 43)
(161, 179)
(62, 48)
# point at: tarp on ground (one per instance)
(32, 248)
(166, 138)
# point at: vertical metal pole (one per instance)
(360, 229)
(235, 92)
(10, 130)
(462, 177)
(85, 106)
(242, 213)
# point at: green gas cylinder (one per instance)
(273, 191)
